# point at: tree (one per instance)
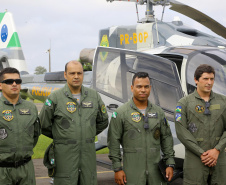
(40, 70)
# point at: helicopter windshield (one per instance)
(216, 59)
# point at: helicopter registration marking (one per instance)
(126, 38)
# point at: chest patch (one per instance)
(215, 107)
(136, 116)
(87, 104)
(71, 107)
(7, 115)
(192, 127)
(157, 133)
(199, 108)
(152, 114)
(24, 111)
(3, 133)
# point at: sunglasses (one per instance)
(207, 106)
(11, 81)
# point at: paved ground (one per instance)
(104, 176)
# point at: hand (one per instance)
(169, 173)
(209, 158)
(120, 177)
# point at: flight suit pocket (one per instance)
(49, 160)
(62, 119)
(133, 160)
(62, 179)
(4, 177)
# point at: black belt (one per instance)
(15, 164)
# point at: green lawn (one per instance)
(39, 150)
(44, 142)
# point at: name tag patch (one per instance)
(24, 111)
(87, 104)
(215, 107)
(152, 114)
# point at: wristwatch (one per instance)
(171, 165)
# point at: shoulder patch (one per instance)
(178, 109)
(103, 109)
(114, 114)
(48, 102)
(178, 116)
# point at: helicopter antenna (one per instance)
(157, 30)
(137, 13)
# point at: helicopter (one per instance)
(168, 52)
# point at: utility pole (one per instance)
(49, 51)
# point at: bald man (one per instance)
(72, 116)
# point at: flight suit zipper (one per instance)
(81, 144)
(135, 127)
(146, 134)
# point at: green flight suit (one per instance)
(141, 148)
(19, 132)
(199, 133)
(73, 128)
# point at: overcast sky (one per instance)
(72, 25)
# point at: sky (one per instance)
(72, 25)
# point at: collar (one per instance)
(132, 105)
(67, 92)
(197, 95)
(6, 102)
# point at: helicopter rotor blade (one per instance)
(199, 17)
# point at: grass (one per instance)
(40, 148)
(44, 142)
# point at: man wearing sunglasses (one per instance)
(142, 130)
(200, 120)
(19, 131)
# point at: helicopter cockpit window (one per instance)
(108, 75)
(164, 90)
(131, 61)
(215, 58)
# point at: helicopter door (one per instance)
(113, 72)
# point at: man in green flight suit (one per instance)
(19, 132)
(73, 116)
(200, 120)
(142, 130)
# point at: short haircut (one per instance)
(203, 68)
(139, 75)
(8, 70)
